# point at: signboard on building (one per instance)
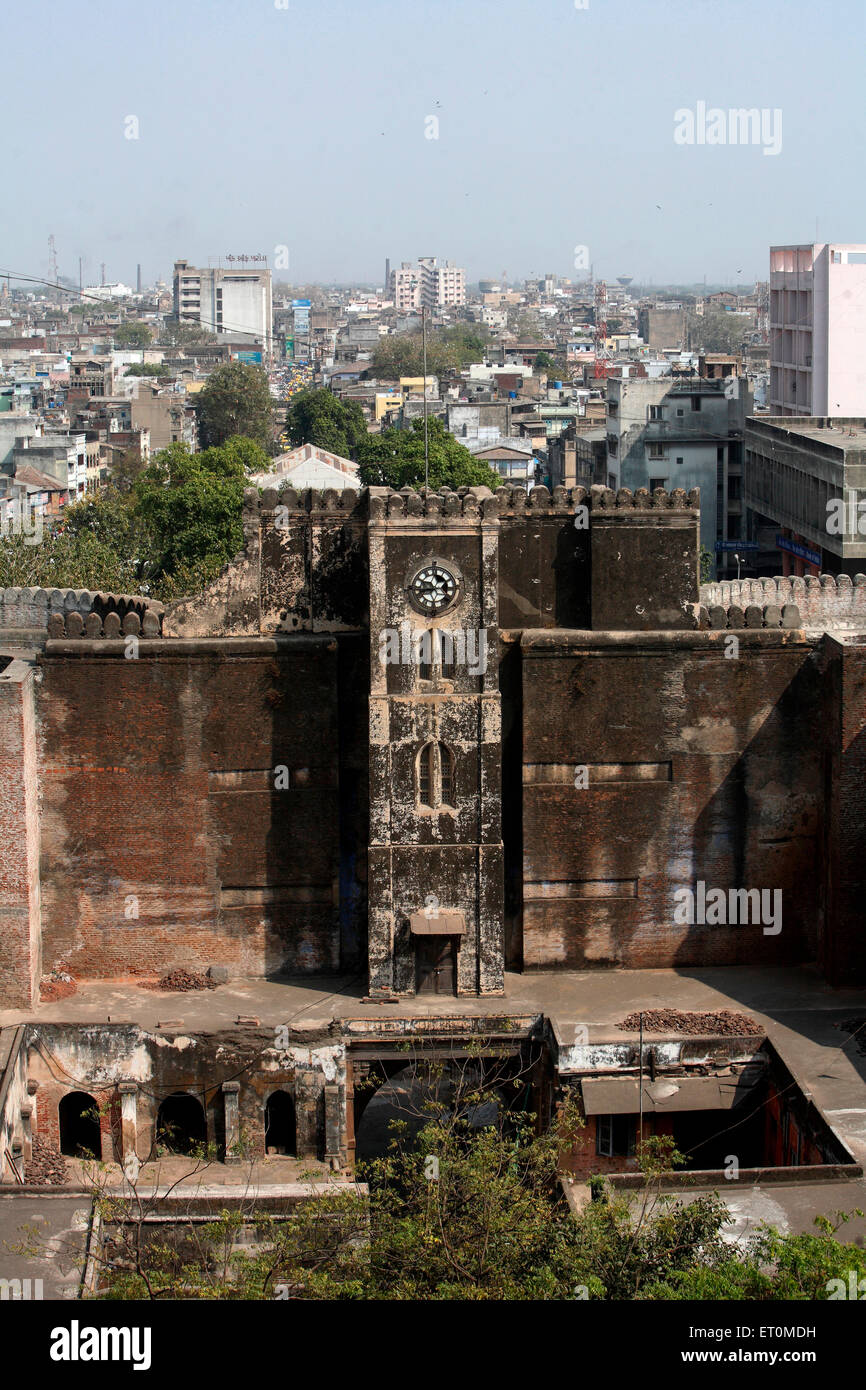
(736, 545)
(803, 552)
(253, 358)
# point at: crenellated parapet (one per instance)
(72, 612)
(827, 602)
(718, 617)
(112, 626)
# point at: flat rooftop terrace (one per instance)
(798, 1010)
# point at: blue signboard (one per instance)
(801, 551)
(736, 545)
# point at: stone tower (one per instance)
(435, 854)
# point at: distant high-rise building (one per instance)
(236, 303)
(818, 330)
(405, 287)
(427, 284)
(442, 286)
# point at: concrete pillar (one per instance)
(128, 1092)
(308, 1093)
(230, 1091)
(334, 1151)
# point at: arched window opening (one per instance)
(280, 1125)
(436, 770)
(79, 1126)
(446, 775)
(446, 655)
(426, 648)
(180, 1124)
(425, 775)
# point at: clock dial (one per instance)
(433, 588)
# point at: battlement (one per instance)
(829, 602)
(112, 626)
(52, 610)
(308, 500)
(383, 502)
(716, 616)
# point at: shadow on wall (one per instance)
(761, 830)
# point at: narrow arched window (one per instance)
(426, 778)
(436, 776)
(446, 775)
(426, 649)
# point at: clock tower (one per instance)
(435, 888)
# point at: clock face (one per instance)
(433, 588)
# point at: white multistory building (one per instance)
(818, 330)
(427, 284)
(236, 303)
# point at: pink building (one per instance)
(818, 330)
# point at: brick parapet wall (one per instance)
(824, 601)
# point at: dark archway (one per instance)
(80, 1135)
(180, 1124)
(280, 1124)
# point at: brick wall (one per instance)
(160, 799)
(20, 962)
(698, 767)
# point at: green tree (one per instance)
(133, 335)
(717, 332)
(181, 334)
(235, 399)
(320, 418)
(66, 560)
(191, 505)
(448, 350)
(395, 458)
(147, 369)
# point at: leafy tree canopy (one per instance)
(235, 399)
(320, 418)
(448, 349)
(164, 529)
(133, 335)
(395, 458)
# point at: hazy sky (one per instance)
(306, 127)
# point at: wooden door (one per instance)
(434, 965)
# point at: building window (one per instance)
(655, 412)
(615, 1135)
(436, 776)
(679, 460)
(657, 482)
(696, 402)
(655, 451)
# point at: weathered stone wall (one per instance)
(98, 1059)
(645, 550)
(695, 767)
